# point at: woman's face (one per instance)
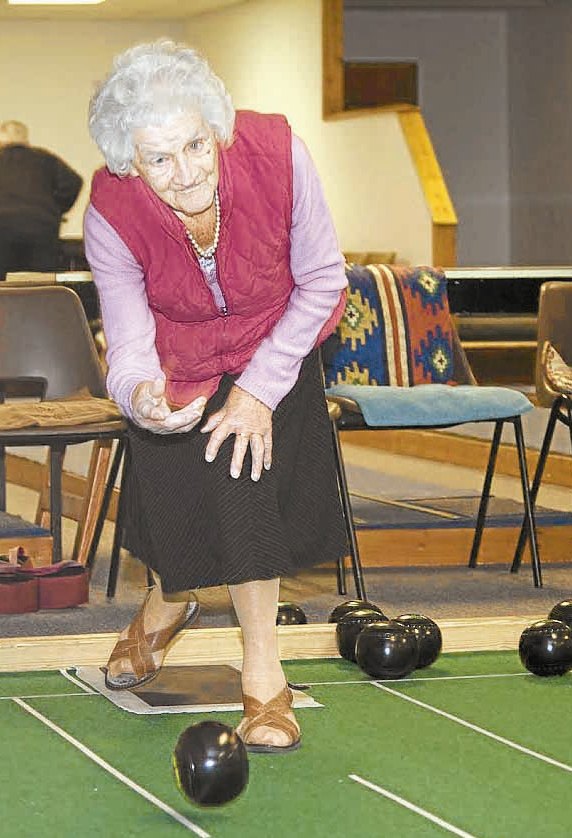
(179, 161)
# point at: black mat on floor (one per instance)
(446, 513)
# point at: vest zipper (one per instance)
(217, 294)
(209, 270)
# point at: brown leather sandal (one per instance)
(272, 714)
(139, 647)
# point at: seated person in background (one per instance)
(36, 189)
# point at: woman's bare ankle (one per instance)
(160, 612)
(263, 684)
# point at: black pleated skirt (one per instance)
(196, 526)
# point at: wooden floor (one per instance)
(417, 547)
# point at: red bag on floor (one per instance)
(18, 594)
(61, 585)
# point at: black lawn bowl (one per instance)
(428, 634)
(353, 605)
(545, 648)
(562, 611)
(386, 650)
(348, 628)
(210, 764)
(290, 614)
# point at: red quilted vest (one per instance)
(195, 341)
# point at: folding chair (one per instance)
(552, 391)
(396, 362)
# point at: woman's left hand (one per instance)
(250, 420)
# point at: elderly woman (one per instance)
(219, 275)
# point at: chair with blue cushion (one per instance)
(396, 362)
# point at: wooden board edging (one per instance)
(458, 450)
(223, 645)
(440, 547)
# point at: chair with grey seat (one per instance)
(49, 370)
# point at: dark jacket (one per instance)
(36, 189)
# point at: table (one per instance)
(499, 290)
(495, 312)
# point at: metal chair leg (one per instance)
(528, 509)
(341, 575)
(569, 420)
(118, 532)
(538, 473)
(485, 494)
(110, 485)
(56, 458)
(2, 478)
(348, 517)
(341, 572)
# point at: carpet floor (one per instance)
(441, 592)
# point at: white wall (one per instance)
(48, 70)
(496, 93)
(269, 54)
(464, 98)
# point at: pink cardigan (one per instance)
(317, 267)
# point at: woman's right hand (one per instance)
(150, 410)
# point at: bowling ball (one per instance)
(352, 605)
(386, 650)
(545, 648)
(290, 614)
(562, 611)
(428, 636)
(349, 626)
(210, 764)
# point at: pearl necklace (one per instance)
(208, 252)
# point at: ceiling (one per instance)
(117, 10)
(449, 4)
(184, 9)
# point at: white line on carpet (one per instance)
(411, 806)
(45, 695)
(416, 680)
(416, 507)
(114, 772)
(77, 682)
(502, 739)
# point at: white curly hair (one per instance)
(149, 85)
